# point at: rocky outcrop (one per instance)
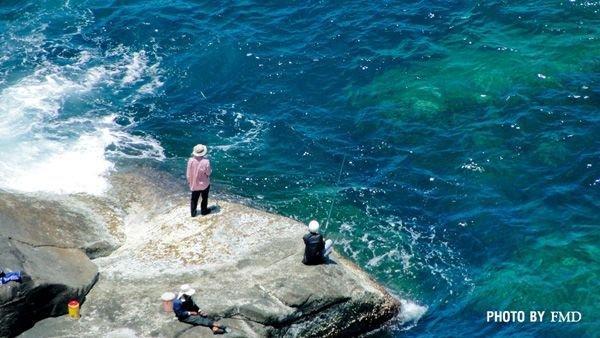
(246, 267)
(48, 242)
(244, 263)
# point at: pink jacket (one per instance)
(198, 173)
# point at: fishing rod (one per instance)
(333, 199)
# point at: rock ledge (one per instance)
(244, 263)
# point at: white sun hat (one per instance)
(313, 226)
(187, 290)
(199, 150)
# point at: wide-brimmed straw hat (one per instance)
(187, 290)
(200, 150)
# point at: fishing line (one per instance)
(337, 184)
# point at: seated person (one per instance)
(188, 312)
(316, 251)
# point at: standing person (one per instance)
(316, 250)
(198, 177)
(188, 312)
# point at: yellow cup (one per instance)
(74, 309)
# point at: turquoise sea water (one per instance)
(469, 132)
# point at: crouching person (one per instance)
(316, 250)
(188, 312)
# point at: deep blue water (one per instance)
(466, 133)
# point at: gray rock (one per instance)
(246, 267)
(48, 242)
(63, 223)
(244, 263)
(55, 276)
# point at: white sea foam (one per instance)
(24, 105)
(44, 151)
(472, 166)
(411, 312)
(126, 145)
(155, 82)
(135, 68)
(377, 260)
(54, 166)
(84, 57)
(249, 130)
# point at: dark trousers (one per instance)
(194, 201)
(198, 321)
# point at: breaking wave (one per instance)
(57, 134)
